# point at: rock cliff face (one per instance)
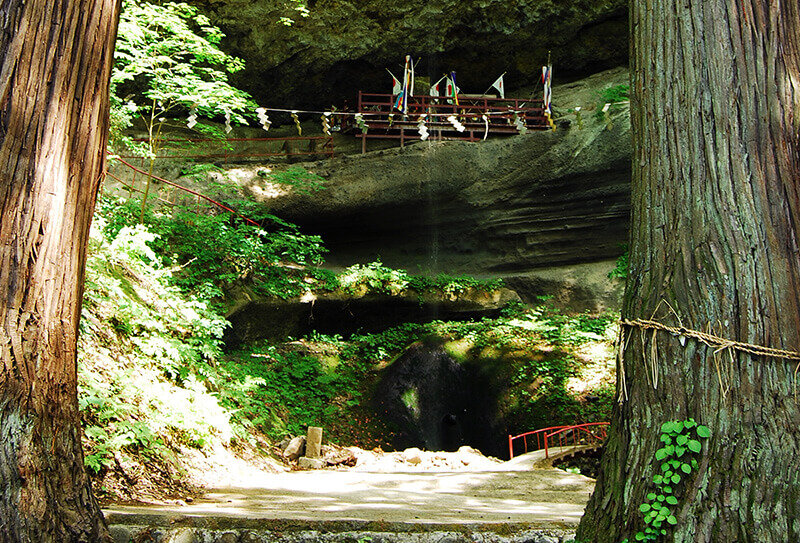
(500, 207)
(344, 45)
(546, 211)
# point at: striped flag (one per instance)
(402, 98)
(547, 75)
(397, 88)
(451, 89)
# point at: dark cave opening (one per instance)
(438, 403)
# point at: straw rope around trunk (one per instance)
(719, 344)
(713, 341)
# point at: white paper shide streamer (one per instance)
(519, 123)
(456, 124)
(359, 119)
(486, 124)
(228, 126)
(421, 128)
(263, 118)
(326, 125)
(192, 119)
(297, 123)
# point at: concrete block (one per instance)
(313, 442)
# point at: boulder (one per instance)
(295, 449)
(310, 463)
(412, 455)
(343, 457)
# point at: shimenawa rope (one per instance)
(713, 341)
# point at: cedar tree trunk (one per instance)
(55, 64)
(714, 234)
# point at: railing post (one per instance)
(510, 447)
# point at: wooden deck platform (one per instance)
(501, 117)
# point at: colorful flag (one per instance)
(547, 75)
(402, 98)
(499, 86)
(434, 90)
(451, 89)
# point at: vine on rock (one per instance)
(682, 443)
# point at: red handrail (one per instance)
(190, 191)
(544, 435)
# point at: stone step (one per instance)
(157, 528)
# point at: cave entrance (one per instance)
(440, 404)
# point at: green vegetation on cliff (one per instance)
(156, 385)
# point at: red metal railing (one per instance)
(273, 147)
(590, 433)
(500, 112)
(179, 187)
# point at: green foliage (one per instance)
(620, 270)
(298, 6)
(280, 393)
(377, 278)
(373, 277)
(678, 459)
(141, 345)
(372, 348)
(303, 181)
(564, 329)
(613, 94)
(215, 251)
(167, 58)
(449, 284)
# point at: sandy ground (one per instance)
(483, 491)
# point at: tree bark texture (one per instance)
(55, 64)
(714, 247)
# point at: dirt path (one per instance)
(509, 492)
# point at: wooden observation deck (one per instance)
(385, 122)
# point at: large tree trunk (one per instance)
(55, 64)
(714, 233)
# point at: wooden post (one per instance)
(313, 442)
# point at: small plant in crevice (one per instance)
(620, 270)
(682, 444)
(613, 95)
